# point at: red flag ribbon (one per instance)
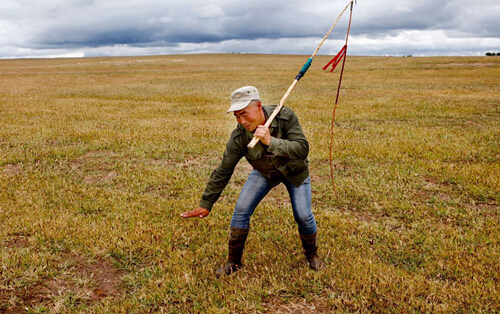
(335, 61)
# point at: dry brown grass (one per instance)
(99, 156)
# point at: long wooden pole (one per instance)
(303, 71)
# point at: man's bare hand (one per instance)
(199, 212)
(262, 132)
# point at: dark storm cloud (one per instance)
(469, 18)
(188, 24)
(139, 27)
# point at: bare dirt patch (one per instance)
(320, 179)
(163, 162)
(486, 210)
(17, 242)
(101, 177)
(12, 169)
(433, 189)
(94, 280)
(367, 217)
(96, 167)
(78, 281)
(194, 162)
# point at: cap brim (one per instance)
(238, 106)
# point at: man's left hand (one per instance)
(262, 132)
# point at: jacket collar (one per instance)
(268, 110)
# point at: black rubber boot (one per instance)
(311, 250)
(237, 238)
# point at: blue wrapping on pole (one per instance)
(304, 69)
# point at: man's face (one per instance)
(251, 116)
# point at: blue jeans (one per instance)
(257, 187)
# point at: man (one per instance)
(279, 157)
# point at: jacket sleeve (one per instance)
(221, 175)
(293, 143)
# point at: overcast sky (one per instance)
(77, 28)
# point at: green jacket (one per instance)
(285, 157)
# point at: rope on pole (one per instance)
(340, 56)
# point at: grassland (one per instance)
(99, 156)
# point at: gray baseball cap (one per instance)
(242, 97)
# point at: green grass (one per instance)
(99, 156)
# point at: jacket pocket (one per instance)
(296, 165)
